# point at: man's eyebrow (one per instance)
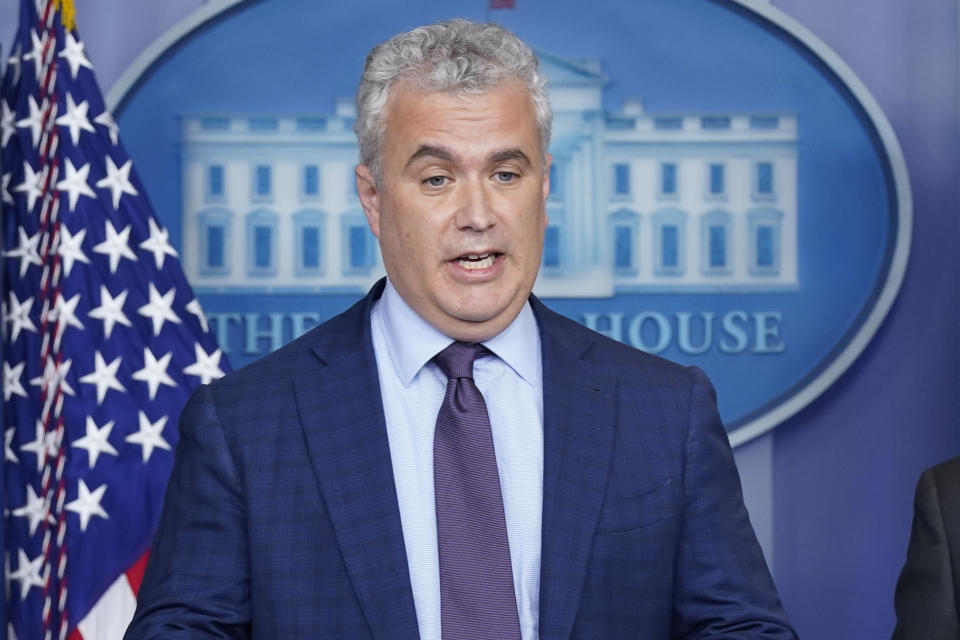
(431, 151)
(509, 154)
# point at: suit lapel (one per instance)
(342, 417)
(578, 423)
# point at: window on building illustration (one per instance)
(214, 244)
(717, 246)
(715, 122)
(765, 241)
(215, 123)
(621, 179)
(623, 247)
(358, 248)
(263, 124)
(556, 188)
(765, 247)
(262, 177)
(764, 122)
(669, 241)
(668, 178)
(715, 238)
(311, 181)
(764, 179)
(668, 123)
(262, 247)
(669, 246)
(620, 123)
(551, 247)
(215, 182)
(717, 182)
(359, 243)
(310, 243)
(624, 229)
(216, 237)
(311, 124)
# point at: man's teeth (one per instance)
(477, 261)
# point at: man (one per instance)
(385, 477)
(926, 600)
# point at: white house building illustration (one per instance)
(639, 201)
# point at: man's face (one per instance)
(460, 208)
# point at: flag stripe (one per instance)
(135, 572)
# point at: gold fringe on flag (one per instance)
(68, 14)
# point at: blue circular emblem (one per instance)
(725, 191)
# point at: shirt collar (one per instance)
(413, 342)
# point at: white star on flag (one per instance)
(87, 503)
(19, 316)
(70, 248)
(26, 251)
(194, 307)
(11, 381)
(34, 120)
(36, 509)
(207, 367)
(28, 572)
(44, 444)
(65, 313)
(159, 309)
(75, 119)
(7, 124)
(149, 436)
(32, 184)
(106, 119)
(54, 377)
(8, 453)
(154, 372)
(118, 181)
(75, 184)
(104, 376)
(117, 245)
(35, 54)
(110, 310)
(5, 188)
(73, 52)
(14, 61)
(158, 243)
(96, 441)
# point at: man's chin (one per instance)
(480, 323)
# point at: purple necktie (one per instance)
(477, 600)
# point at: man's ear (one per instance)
(369, 197)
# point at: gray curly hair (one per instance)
(458, 56)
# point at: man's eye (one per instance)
(505, 176)
(436, 181)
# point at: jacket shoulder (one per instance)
(615, 356)
(344, 334)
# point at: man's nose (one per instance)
(475, 210)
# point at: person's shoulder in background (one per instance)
(926, 596)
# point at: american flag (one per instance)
(103, 341)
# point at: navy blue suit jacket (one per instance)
(281, 518)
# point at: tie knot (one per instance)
(456, 361)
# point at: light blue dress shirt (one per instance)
(413, 388)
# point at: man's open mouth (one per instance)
(477, 260)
